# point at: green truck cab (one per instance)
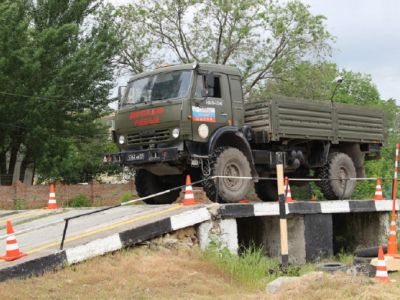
(192, 119)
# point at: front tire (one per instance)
(340, 166)
(228, 162)
(147, 184)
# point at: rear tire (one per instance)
(339, 165)
(147, 184)
(228, 162)
(266, 190)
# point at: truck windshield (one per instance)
(160, 86)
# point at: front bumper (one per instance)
(139, 157)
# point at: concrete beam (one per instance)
(221, 232)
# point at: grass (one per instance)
(344, 258)
(132, 274)
(252, 268)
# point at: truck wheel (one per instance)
(266, 190)
(147, 184)
(339, 165)
(228, 162)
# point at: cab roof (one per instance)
(229, 70)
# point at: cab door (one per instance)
(214, 110)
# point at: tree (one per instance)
(316, 81)
(261, 38)
(56, 71)
(78, 159)
(304, 80)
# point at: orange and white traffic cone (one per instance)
(288, 192)
(12, 249)
(392, 247)
(378, 190)
(52, 204)
(381, 270)
(189, 197)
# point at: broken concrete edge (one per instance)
(101, 246)
(239, 210)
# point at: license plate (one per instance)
(135, 156)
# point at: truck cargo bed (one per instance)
(290, 118)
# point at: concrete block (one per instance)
(223, 232)
(203, 234)
(309, 236)
(318, 236)
(296, 237)
(229, 235)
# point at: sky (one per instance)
(367, 36)
(367, 39)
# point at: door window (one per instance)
(201, 85)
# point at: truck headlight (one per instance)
(121, 139)
(203, 131)
(175, 133)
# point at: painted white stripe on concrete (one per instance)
(94, 248)
(384, 205)
(189, 218)
(334, 207)
(267, 209)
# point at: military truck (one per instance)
(192, 119)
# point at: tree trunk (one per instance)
(33, 172)
(3, 167)
(13, 161)
(22, 169)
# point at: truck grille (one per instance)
(146, 137)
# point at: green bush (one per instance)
(19, 204)
(79, 201)
(126, 197)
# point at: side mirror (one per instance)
(210, 83)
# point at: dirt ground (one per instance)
(177, 274)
